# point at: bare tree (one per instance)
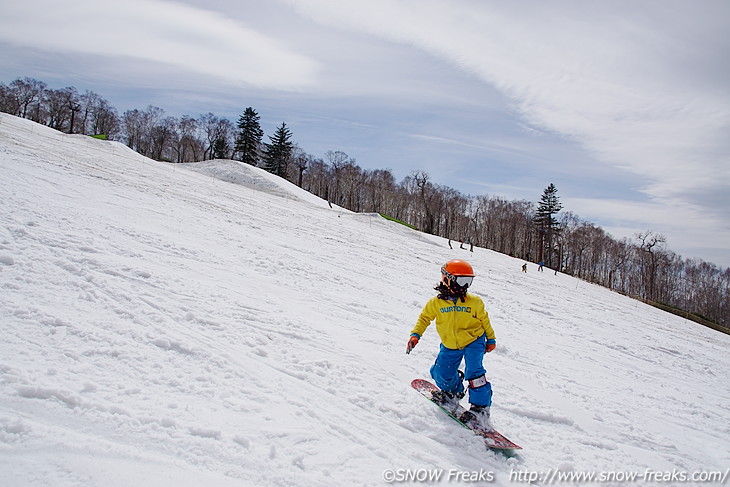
(163, 138)
(73, 105)
(215, 129)
(105, 120)
(28, 95)
(316, 179)
(651, 255)
(337, 160)
(138, 127)
(56, 110)
(381, 190)
(302, 161)
(8, 102)
(188, 147)
(425, 191)
(352, 179)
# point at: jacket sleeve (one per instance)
(483, 316)
(428, 314)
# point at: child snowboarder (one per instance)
(466, 333)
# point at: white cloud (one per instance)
(160, 31)
(639, 85)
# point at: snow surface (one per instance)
(164, 327)
(258, 179)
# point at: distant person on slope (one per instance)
(466, 333)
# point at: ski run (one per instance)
(210, 324)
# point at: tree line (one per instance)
(148, 131)
(643, 267)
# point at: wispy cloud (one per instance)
(183, 36)
(639, 86)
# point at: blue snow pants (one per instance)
(445, 371)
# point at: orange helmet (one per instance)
(458, 272)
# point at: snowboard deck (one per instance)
(492, 438)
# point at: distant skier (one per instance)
(540, 266)
(466, 333)
(524, 267)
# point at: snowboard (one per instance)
(492, 438)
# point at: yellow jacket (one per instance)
(457, 324)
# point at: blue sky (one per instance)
(623, 105)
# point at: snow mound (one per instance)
(257, 179)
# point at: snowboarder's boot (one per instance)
(477, 416)
(447, 400)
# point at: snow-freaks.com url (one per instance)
(555, 476)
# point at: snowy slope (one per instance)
(165, 327)
(257, 179)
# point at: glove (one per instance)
(491, 345)
(412, 342)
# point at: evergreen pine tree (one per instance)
(547, 223)
(278, 152)
(249, 137)
(221, 149)
(548, 207)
